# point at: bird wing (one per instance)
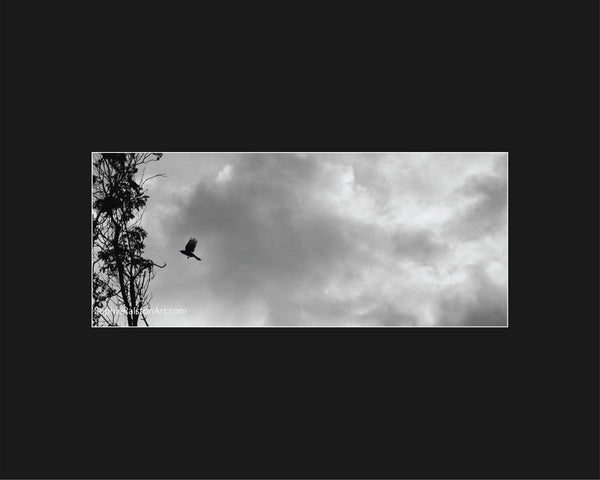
(191, 245)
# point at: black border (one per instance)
(401, 403)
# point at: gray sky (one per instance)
(323, 239)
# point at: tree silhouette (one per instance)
(121, 275)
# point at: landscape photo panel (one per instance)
(299, 239)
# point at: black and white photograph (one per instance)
(286, 241)
(300, 239)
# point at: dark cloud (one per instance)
(488, 212)
(388, 315)
(419, 245)
(476, 302)
(261, 235)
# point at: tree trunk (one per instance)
(121, 270)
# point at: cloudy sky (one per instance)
(324, 239)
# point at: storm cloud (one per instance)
(325, 239)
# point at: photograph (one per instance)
(299, 239)
(298, 261)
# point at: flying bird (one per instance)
(189, 249)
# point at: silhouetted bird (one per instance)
(189, 249)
